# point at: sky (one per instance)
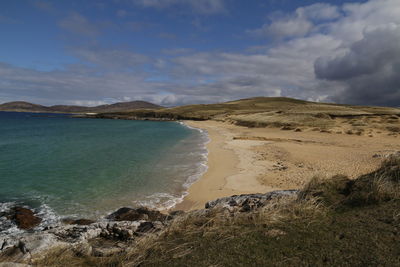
(177, 52)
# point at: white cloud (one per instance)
(344, 53)
(283, 28)
(319, 11)
(297, 24)
(355, 59)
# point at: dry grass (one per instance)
(381, 185)
(179, 240)
(319, 120)
(61, 257)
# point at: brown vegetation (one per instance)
(280, 112)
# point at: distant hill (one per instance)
(280, 112)
(21, 106)
(257, 109)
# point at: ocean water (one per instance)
(70, 167)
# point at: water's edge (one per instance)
(202, 168)
(51, 219)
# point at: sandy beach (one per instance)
(245, 160)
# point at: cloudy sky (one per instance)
(174, 52)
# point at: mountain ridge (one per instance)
(23, 106)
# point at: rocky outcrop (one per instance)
(24, 218)
(247, 202)
(77, 237)
(113, 234)
(142, 213)
(121, 226)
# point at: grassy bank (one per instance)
(280, 112)
(335, 221)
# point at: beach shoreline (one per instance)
(259, 160)
(227, 173)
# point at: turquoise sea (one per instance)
(71, 167)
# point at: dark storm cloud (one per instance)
(369, 70)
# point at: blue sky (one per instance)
(174, 52)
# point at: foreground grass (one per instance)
(332, 222)
(362, 237)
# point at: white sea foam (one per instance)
(164, 201)
(8, 227)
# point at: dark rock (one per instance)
(24, 218)
(232, 203)
(129, 214)
(251, 204)
(78, 222)
(22, 247)
(145, 227)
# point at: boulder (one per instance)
(145, 227)
(24, 218)
(123, 230)
(77, 233)
(130, 214)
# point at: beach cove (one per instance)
(244, 160)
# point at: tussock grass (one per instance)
(61, 257)
(339, 191)
(184, 236)
(319, 120)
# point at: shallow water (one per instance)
(72, 167)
